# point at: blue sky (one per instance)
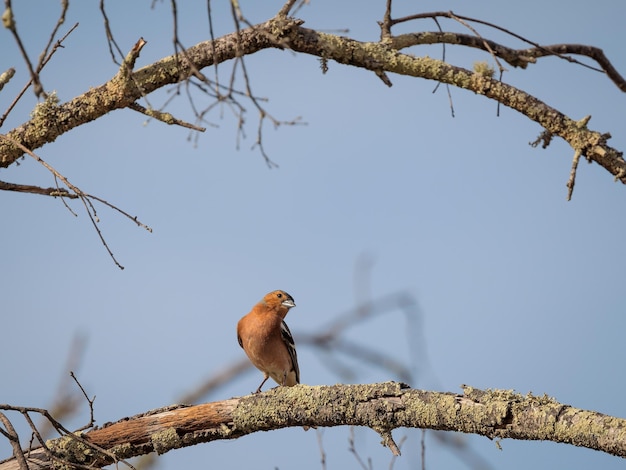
(517, 288)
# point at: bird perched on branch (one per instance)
(267, 341)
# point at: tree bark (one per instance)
(496, 414)
(50, 120)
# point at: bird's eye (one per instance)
(279, 295)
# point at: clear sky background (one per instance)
(517, 288)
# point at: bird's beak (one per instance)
(288, 303)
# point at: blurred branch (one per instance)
(221, 378)
(328, 340)
(66, 400)
(496, 414)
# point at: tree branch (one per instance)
(496, 414)
(122, 91)
(379, 57)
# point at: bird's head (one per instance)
(279, 301)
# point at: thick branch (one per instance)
(379, 58)
(51, 121)
(383, 407)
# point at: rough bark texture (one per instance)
(50, 120)
(382, 407)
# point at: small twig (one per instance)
(545, 138)
(385, 24)
(581, 124)
(395, 457)
(128, 64)
(383, 76)
(84, 197)
(43, 56)
(443, 59)
(81, 195)
(320, 444)
(65, 401)
(14, 439)
(6, 77)
(572, 174)
(89, 400)
(423, 449)
(166, 118)
(486, 44)
(8, 22)
(40, 67)
(67, 206)
(300, 5)
(284, 11)
(352, 449)
(110, 39)
(388, 441)
(124, 213)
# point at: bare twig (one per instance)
(385, 24)
(394, 457)
(320, 444)
(14, 439)
(81, 195)
(84, 197)
(388, 441)
(65, 401)
(43, 57)
(109, 34)
(9, 23)
(572, 174)
(42, 64)
(5, 77)
(423, 449)
(477, 34)
(90, 401)
(166, 118)
(284, 11)
(352, 449)
(443, 58)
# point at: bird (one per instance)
(267, 341)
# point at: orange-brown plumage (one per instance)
(267, 341)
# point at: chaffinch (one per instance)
(267, 341)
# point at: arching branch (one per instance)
(124, 90)
(382, 407)
(379, 57)
(52, 120)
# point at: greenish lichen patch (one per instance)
(44, 109)
(122, 450)
(71, 449)
(165, 440)
(484, 69)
